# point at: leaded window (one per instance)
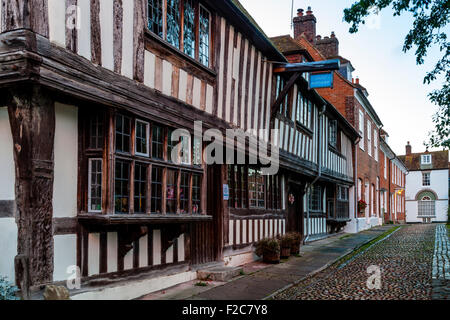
(315, 199)
(140, 188)
(157, 142)
(96, 132)
(256, 187)
(196, 193)
(122, 180)
(142, 138)
(123, 134)
(156, 203)
(173, 22)
(171, 191)
(189, 28)
(332, 134)
(204, 30)
(155, 17)
(184, 192)
(426, 179)
(95, 185)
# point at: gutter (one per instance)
(319, 160)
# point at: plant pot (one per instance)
(271, 257)
(295, 249)
(285, 252)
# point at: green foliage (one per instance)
(7, 290)
(201, 284)
(429, 29)
(267, 246)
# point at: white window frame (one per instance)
(385, 166)
(423, 179)
(361, 130)
(426, 159)
(148, 139)
(89, 184)
(369, 138)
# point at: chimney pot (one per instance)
(305, 25)
(300, 12)
(357, 80)
(309, 12)
(408, 149)
(353, 80)
(319, 37)
(333, 35)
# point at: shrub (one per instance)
(267, 246)
(7, 290)
(296, 238)
(286, 241)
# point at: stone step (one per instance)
(221, 274)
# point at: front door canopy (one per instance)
(326, 65)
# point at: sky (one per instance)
(392, 78)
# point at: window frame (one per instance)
(90, 160)
(147, 138)
(426, 156)
(198, 5)
(424, 179)
(362, 143)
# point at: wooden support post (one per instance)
(32, 119)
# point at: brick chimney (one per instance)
(305, 24)
(408, 149)
(328, 46)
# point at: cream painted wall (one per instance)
(57, 22)
(65, 248)
(7, 174)
(8, 247)
(66, 161)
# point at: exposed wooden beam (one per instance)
(285, 91)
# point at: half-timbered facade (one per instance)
(91, 94)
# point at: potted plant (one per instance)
(362, 205)
(296, 240)
(285, 245)
(269, 249)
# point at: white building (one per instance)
(427, 186)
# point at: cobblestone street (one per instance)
(405, 260)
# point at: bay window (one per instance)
(143, 179)
(184, 24)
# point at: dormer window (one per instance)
(426, 159)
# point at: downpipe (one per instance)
(319, 161)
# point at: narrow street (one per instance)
(405, 260)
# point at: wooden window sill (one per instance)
(140, 219)
(164, 45)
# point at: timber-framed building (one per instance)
(90, 94)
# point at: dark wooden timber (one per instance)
(96, 43)
(139, 42)
(32, 119)
(284, 92)
(118, 31)
(62, 226)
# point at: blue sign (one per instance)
(226, 192)
(321, 80)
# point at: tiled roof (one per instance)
(286, 44)
(439, 161)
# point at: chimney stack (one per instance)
(328, 46)
(305, 24)
(408, 149)
(357, 80)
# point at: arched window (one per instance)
(427, 204)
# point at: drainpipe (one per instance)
(319, 161)
(355, 174)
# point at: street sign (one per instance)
(321, 80)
